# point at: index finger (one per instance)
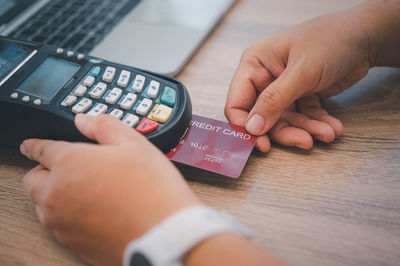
(250, 78)
(41, 150)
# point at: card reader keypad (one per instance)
(137, 100)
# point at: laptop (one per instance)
(157, 35)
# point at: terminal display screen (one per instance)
(49, 78)
(11, 55)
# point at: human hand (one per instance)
(304, 120)
(323, 56)
(94, 198)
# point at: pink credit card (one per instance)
(214, 146)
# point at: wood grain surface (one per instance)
(338, 204)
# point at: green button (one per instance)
(168, 97)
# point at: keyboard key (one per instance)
(56, 21)
(162, 113)
(69, 100)
(98, 90)
(138, 83)
(36, 25)
(116, 113)
(82, 106)
(128, 101)
(39, 38)
(67, 29)
(103, 30)
(151, 114)
(109, 74)
(113, 96)
(124, 78)
(126, 8)
(153, 89)
(144, 106)
(56, 40)
(98, 110)
(72, 42)
(80, 90)
(48, 29)
(147, 126)
(28, 32)
(84, 49)
(131, 120)
(95, 72)
(88, 81)
(168, 97)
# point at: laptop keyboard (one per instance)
(74, 24)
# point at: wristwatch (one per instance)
(167, 243)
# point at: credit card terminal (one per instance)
(42, 88)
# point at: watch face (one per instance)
(138, 259)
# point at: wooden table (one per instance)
(337, 204)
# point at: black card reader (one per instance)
(42, 88)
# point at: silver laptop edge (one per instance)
(157, 35)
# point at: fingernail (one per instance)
(255, 125)
(22, 149)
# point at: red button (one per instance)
(147, 126)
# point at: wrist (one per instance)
(139, 222)
(381, 28)
(169, 242)
(228, 249)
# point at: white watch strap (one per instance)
(169, 241)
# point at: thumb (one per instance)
(105, 129)
(273, 100)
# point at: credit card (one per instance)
(214, 146)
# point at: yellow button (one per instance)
(162, 113)
(151, 114)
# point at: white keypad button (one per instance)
(14, 95)
(98, 110)
(116, 113)
(131, 120)
(144, 106)
(153, 89)
(80, 56)
(82, 106)
(109, 74)
(70, 54)
(60, 51)
(113, 96)
(37, 102)
(80, 90)
(89, 81)
(124, 78)
(25, 99)
(138, 83)
(98, 90)
(128, 101)
(69, 100)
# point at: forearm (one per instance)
(381, 20)
(228, 249)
